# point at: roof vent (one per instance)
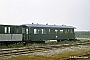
(63, 25)
(47, 24)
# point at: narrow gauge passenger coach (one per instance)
(35, 32)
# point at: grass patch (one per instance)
(41, 44)
(11, 45)
(82, 36)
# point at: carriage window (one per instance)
(56, 31)
(42, 31)
(8, 29)
(23, 30)
(61, 31)
(5, 29)
(27, 31)
(17, 30)
(66, 30)
(71, 30)
(35, 31)
(50, 31)
(38, 31)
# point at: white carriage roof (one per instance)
(48, 26)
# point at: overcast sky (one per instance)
(69, 12)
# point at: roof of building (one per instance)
(48, 26)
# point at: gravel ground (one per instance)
(83, 39)
(63, 50)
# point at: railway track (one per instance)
(30, 50)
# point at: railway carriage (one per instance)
(41, 32)
(10, 33)
(35, 32)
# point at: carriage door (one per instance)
(25, 33)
